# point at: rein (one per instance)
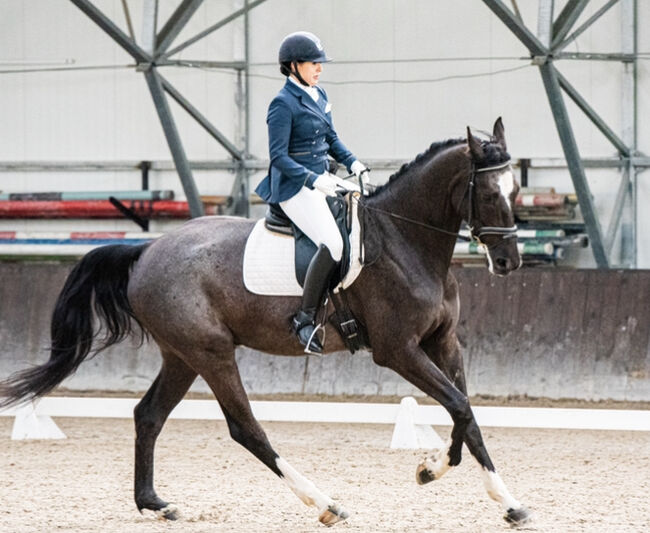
(473, 236)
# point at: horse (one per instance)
(185, 291)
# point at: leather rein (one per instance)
(475, 234)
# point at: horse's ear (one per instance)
(499, 134)
(475, 146)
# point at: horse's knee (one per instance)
(461, 412)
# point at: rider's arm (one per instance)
(279, 125)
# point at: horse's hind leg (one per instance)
(222, 375)
(452, 366)
(173, 381)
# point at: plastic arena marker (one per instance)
(29, 425)
(408, 434)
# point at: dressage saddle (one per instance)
(277, 221)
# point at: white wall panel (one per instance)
(109, 114)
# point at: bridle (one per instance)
(474, 233)
(477, 233)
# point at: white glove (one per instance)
(359, 169)
(326, 183)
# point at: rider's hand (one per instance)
(326, 183)
(360, 170)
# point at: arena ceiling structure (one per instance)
(546, 47)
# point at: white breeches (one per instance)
(309, 211)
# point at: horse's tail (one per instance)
(99, 281)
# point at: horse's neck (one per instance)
(422, 195)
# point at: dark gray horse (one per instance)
(186, 291)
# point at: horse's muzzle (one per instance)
(504, 257)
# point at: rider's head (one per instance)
(297, 48)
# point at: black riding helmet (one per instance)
(299, 47)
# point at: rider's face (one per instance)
(310, 72)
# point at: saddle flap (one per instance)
(269, 266)
(306, 248)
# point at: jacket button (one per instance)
(313, 142)
(317, 131)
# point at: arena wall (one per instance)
(581, 334)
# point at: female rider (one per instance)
(301, 135)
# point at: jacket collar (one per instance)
(305, 99)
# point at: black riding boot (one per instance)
(317, 278)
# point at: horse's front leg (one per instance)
(414, 365)
(446, 355)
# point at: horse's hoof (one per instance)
(423, 475)
(518, 517)
(333, 514)
(169, 512)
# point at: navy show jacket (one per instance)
(301, 135)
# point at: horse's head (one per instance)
(489, 200)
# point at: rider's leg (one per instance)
(318, 276)
(309, 211)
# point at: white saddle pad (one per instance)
(269, 261)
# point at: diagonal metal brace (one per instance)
(174, 142)
(175, 24)
(593, 116)
(214, 27)
(204, 122)
(517, 27)
(572, 155)
(115, 32)
(566, 19)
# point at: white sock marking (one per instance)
(302, 487)
(498, 491)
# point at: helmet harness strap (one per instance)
(294, 71)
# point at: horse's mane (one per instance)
(494, 155)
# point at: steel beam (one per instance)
(116, 33)
(595, 56)
(198, 116)
(235, 65)
(545, 21)
(593, 116)
(517, 27)
(127, 16)
(174, 142)
(214, 27)
(617, 211)
(566, 19)
(149, 25)
(572, 155)
(557, 46)
(175, 24)
(629, 123)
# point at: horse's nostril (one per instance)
(502, 262)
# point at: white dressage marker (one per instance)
(29, 425)
(410, 435)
